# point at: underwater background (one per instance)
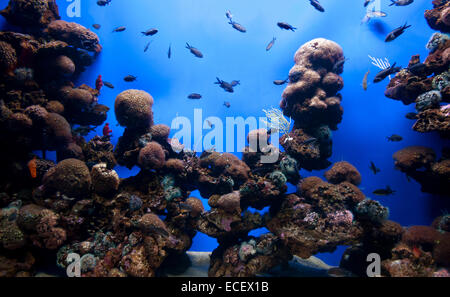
(369, 117)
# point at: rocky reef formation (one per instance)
(312, 100)
(427, 83)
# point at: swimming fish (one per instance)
(364, 82)
(419, 69)
(401, 2)
(386, 72)
(373, 14)
(119, 29)
(280, 82)
(374, 168)
(83, 130)
(150, 32)
(317, 5)
(194, 51)
(195, 96)
(227, 104)
(376, 14)
(286, 26)
(130, 78)
(99, 83)
(106, 130)
(103, 2)
(169, 53)
(394, 138)
(411, 116)
(108, 84)
(270, 45)
(396, 33)
(224, 85)
(228, 15)
(147, 46)
(384, 192)
(96, 26)
(32, 167)
(237, 26)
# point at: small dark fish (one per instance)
(150, 32)
(374, 168)
(337, 68)
(295, 77)
(309, 141)
(419, 69)
(317, 5)
(227, 104)
(280, 82)
(237, 26)
(103, 2)
(169, 53)
(286, 26)
(224, 85)
(147, 46)
(228, 15)
(235, 83)
(83, 130)
(195, 96)
(119, 29)
(367, 2)
(396, 33)
(394, 138)
(386, 72)
(411, 116)
(108, 84)
(194, 51)
(130, 78)
(270, 45)
(401, 2)
(365, 80)
(96, 26)
(384, 192)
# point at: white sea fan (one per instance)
(381, 63)
(277, 121)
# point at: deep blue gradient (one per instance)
(369, 116)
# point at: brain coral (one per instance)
(70, 177)
(133, 109)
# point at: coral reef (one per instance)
(421, 164)
(312, 100)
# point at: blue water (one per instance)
(369, 117)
